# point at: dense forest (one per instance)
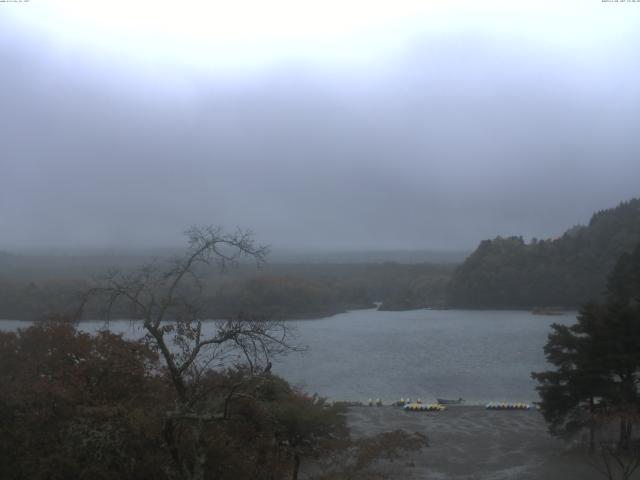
(32, 287)
(506, 272)
(565, 272)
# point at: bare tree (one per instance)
(167, 299)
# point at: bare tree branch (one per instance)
(166, 299)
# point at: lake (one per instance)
(478, 355)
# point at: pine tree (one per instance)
(597, 360)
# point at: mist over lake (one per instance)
(311, 208)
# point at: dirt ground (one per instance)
(470, 442)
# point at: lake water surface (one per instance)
(478, 355)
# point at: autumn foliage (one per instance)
(80, 406)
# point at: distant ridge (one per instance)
(567, 271)
(369, 256)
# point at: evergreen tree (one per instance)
(597, 360)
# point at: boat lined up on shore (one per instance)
(508, 406)
(441, 404)
(424, 407)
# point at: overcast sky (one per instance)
(332, 125)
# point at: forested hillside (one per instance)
(567, 271)
(33, 288)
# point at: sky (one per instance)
(319, 125)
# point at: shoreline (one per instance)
(331, 313)
(469, 442)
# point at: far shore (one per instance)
(333, 313)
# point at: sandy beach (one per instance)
(470, 442)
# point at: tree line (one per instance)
(567, 272)
(283, 291)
